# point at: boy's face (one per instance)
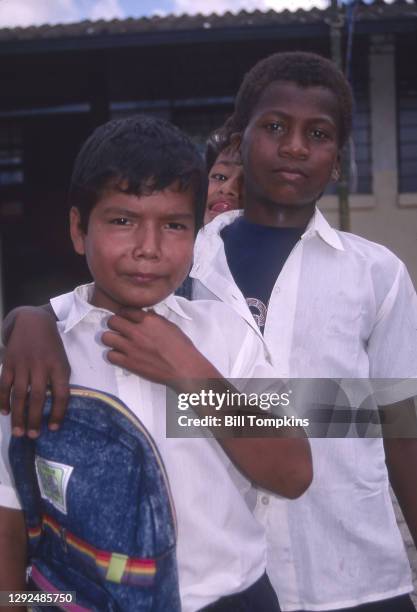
(290, 146)
(225, 184)
(138, 249)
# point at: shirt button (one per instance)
(265, 500)
(277, 289)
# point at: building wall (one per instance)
(385, 216)
(37, 255)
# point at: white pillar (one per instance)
(383, 121)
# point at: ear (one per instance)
(76, 231)
(336, 169)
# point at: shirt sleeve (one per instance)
(8, 494)
(392, 346)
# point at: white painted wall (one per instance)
(385, 216)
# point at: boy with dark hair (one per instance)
(329, 305)
(137, 194)
(303, 69)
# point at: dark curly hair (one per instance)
(136, 155)
(303, 69)
(219, 141)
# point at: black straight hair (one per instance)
(137, 155)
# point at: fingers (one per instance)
(118, 359)
(121, 351)
(60, 397)
(115, 341)
(125, 354)
(34, 356)
(134, 315)
(134, 363)
(6, 382)
(121, 326)
(18, 401)
(36, 401)
(25, 388)
(58, 379)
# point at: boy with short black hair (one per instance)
(137, 196)
(329, 305)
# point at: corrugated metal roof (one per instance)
(376, 10)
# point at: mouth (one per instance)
(288, 173)
(221, 206)
(140, 278)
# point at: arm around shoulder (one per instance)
(34, 357)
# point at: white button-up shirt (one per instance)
(221, 546)
(342, 307)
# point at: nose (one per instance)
(147, 242)
(294, 144)
(231, 187)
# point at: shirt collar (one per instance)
(319, 226)
(80, 307)
(218, 223)
(173, 303)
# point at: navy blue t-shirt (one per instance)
(256, 255)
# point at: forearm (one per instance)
(10, 320)
(12, 564)
(12, 553)
(279, 460)
(281, 465)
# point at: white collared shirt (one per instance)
(221, 547)
(342, 307)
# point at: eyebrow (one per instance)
(226, 162)
(125, 212)
(122, 212)
(282, 113)
(178, 216)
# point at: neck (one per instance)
(278, 215)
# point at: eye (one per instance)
(319, 134)
(120, 221)
(277, 127)
(218, 176)
(174, 225)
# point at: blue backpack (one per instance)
(98, 509)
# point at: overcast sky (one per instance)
(35, 12)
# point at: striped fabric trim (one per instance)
(114, 567)
(44, 585)
(34, 532)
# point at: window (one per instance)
(362, 157)
(360, 149)
(406, 121)
(11, 154)
(197, 117)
